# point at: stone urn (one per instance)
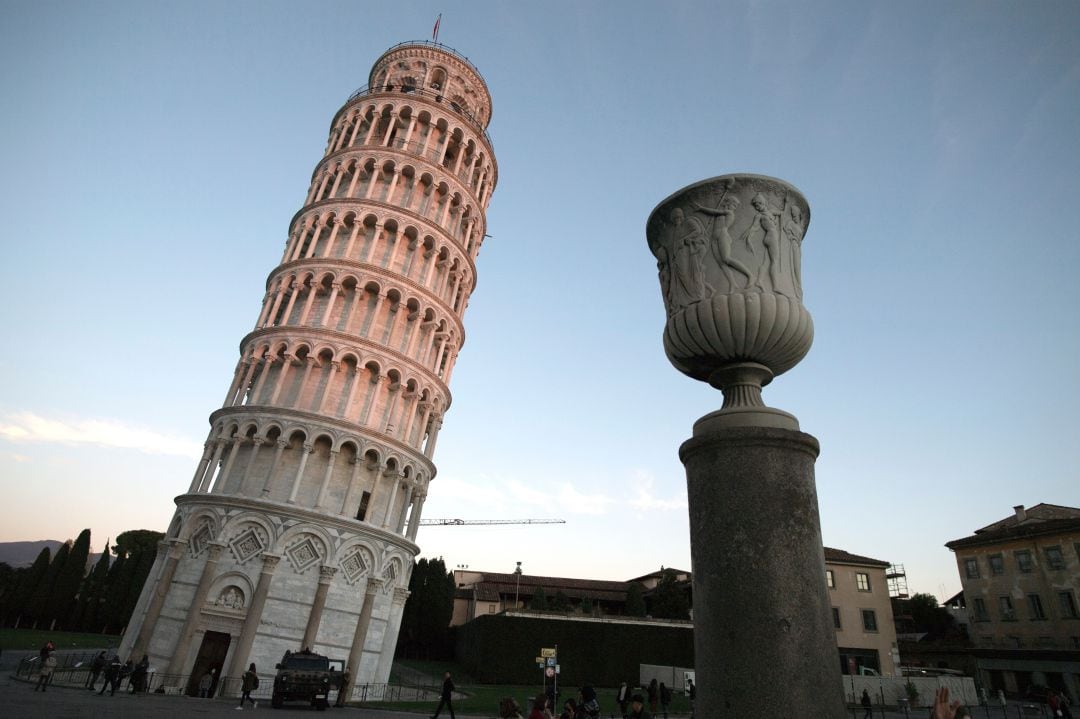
(729, 251)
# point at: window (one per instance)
(1023, 561)
(836, 617)
(830, 579)
(862, 581)
(365, 498)
(1005, 606)
(971, 568)
(869, 620)
(1068, 605)
(980, 610)
(1055, 558)
(1035, 607)
(997, 564)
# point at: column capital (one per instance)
(309, 448)
(270, 561)
(374, 586)
(214, 550)
(326, 574)
(282, 443)
(400, 595)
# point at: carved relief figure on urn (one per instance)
(735, 313)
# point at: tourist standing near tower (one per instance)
(299, 527)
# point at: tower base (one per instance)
(764, 641)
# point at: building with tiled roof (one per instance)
(1020, 577)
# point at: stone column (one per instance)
(393, 626)
(754, 517)
(362, 626)
(157, 601)
(253, 618)
(191, 624)
(268, 483)
(326, 575)
(306, 449)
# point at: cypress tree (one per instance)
(92, 594)
(20, 608)
(113, 594)
(539, 599)
(41, 600)
(62, 599)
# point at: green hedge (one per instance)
(501, 649)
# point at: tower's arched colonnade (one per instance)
(298, 528)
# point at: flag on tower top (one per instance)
(435, 30)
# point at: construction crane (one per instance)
(461, 522)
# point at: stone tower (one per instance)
(299, 527)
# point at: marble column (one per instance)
(362, 626)
(393, 626)
(253, 618)
(157, 601)
(191, 624)
(311, 631)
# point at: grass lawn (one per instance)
(19, 639)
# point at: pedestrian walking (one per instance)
(138, 675)
(665, 698)
(622, 697)
(48, 664)
(868, 712)
(343, 690)
(691, 691)
(249, 683)
(206, 684)
(96, 667)
(112, 676)
(446, 697)
(654, 695)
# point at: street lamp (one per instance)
(517, 584)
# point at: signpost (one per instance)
(548, 663)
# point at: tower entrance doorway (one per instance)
(212, 651)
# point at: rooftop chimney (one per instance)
(1021, 513)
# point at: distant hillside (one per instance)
(23, 554)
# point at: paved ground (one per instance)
(18, 699)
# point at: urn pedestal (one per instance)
(728, 253)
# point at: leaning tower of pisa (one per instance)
(299, 526)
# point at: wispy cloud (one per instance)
(29, 427)
(645, 498)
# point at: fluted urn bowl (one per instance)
(728, 253)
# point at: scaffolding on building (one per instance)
(897, 580)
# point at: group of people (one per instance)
(114, 672)
(632, 704)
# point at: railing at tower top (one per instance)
(422, 92)
(438, 45)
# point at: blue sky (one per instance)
(154, 153)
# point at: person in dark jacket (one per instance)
(249, 683)
(112, 676)
(637, 708)
(138, 675)
(96, 667)
(445, 697)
